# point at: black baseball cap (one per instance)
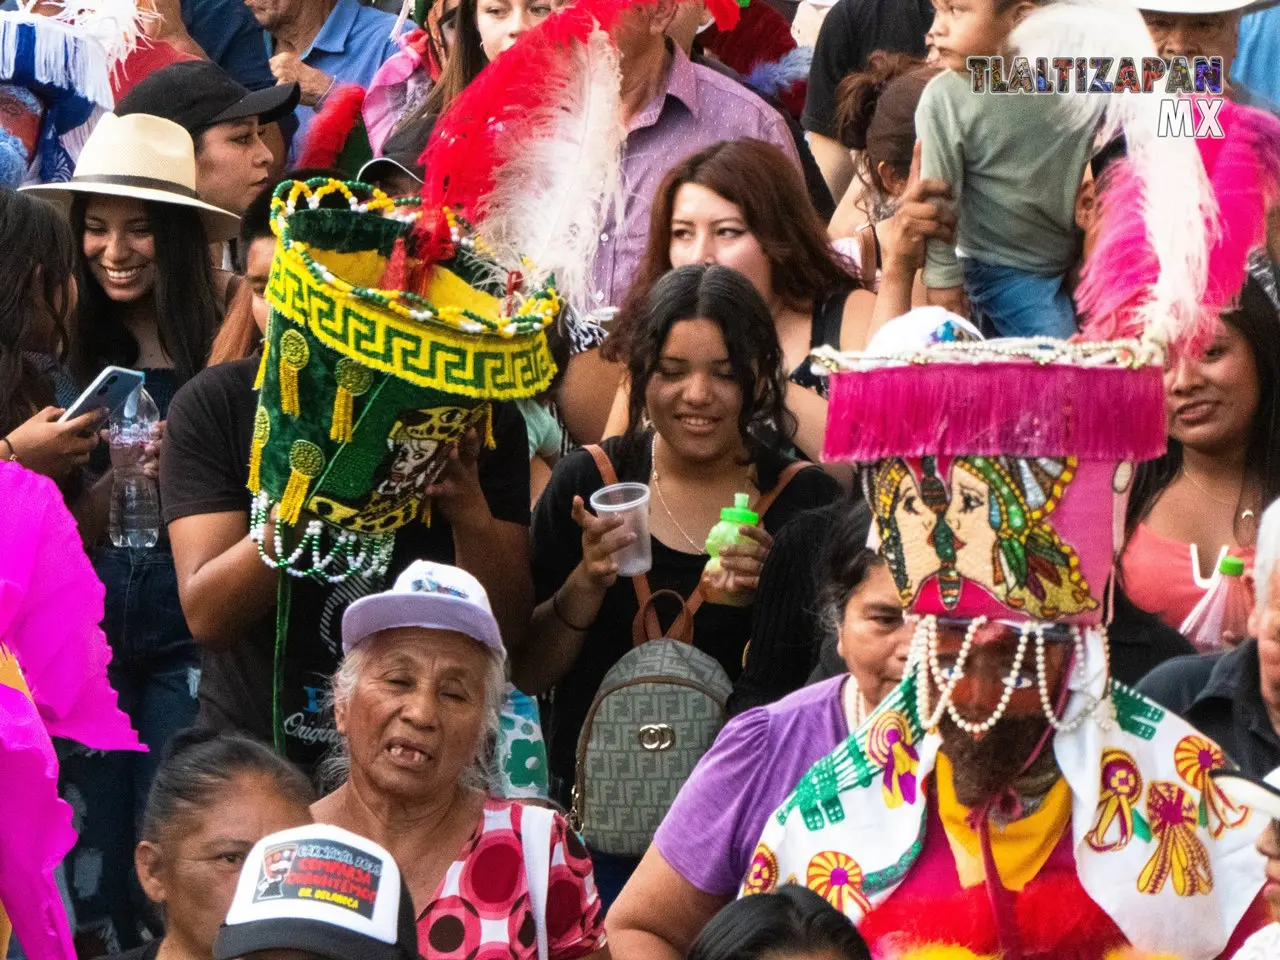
(198, 94)
(402, 150)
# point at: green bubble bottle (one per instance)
(726, 533)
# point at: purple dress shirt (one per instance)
(698, 108)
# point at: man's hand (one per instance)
(457, 491)
(288, 68)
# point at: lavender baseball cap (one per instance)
(433, 596)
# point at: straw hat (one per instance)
(146, 157)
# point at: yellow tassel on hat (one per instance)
(426, 512)
(261, 433)
(306, 460)
(489, 442)
(354, 381)
(294, 354)
(262, 367)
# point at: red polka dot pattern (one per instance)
(482, 912)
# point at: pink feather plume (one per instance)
(1117, 283)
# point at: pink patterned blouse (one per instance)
(481, 909)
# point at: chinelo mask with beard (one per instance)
(984, 768)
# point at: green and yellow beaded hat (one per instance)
(394, 323)
(365, 385)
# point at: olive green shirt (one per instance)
(1014, 163)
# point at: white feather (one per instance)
(116, 24)
(1177, 203)
(551, 194)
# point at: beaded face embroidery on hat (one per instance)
(987, 524)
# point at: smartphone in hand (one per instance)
(109, 390)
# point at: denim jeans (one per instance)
(155, 669)
(1019, 303)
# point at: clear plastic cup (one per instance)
(630, 501)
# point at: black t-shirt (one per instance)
(787, 632)
(204, 469)
(851, 32)
(719, 630)
(148, 951)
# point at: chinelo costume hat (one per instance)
(394, 322)
(144, 157)
(998, 474)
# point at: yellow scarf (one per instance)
(1021, 848)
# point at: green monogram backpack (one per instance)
(657, 711)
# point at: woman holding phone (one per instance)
(36, 301)
(147, 302)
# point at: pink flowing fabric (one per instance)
(50, 610)
(395, 82)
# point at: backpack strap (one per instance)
(650, 628)
(645, 626)
(640, 582)
(789, 473)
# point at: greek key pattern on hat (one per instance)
(428, 356)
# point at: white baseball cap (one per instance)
(433, 596)
(322, 890)
(1193, 7)
(1260, 793)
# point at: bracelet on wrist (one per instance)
(13, 454)
(555, 609)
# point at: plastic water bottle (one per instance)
(135, 501)
(1218, 622)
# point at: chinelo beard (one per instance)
(983, 769)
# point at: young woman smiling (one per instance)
(1203, 498)
(706, 369)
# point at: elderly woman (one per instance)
(416, 702)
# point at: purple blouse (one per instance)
(712, 829)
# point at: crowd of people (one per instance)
(637, 478)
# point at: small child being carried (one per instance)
(1014, 168)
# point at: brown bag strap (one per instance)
(651, 629)
(640, 582)
(867, 255)
(645, 626)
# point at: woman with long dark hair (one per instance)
(147, 301)
(36, 299)
(147, 297)
(706, 374)
(742, 204)
(1201, 501)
